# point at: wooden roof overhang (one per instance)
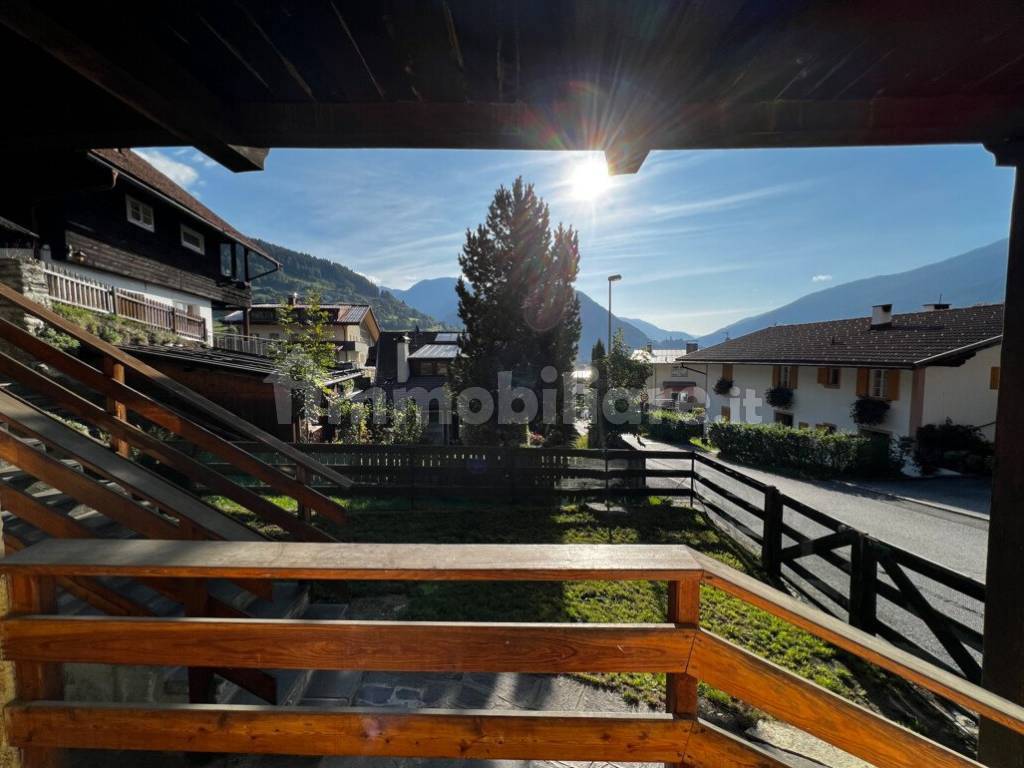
(626, 77)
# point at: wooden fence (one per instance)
(76, 290)
(870, 568)
(863, 569)
(41, 723)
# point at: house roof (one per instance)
(385, 354)
(912, 339)
(7, 225)
(658, 356)
(337, 314)
(209, 357)
(128, 162)
(436, 352)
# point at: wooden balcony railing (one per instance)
(41, 723)
(67, 287)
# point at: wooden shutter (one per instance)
(726, 413)
(863, 381)
(776, 375)
(727, 371)
(823, 376)
(892, 385)
(793, 371)
(993, 377)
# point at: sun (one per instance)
(589, 179)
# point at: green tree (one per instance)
(303, 359)
(518, 303)
(618, 389)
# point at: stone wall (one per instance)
(20, 269)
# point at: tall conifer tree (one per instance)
(518, 303)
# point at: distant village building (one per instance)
(927, 366)
(354, 328)
(417, 364)
(673, 383)
(117, 236)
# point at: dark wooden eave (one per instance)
(535, 74)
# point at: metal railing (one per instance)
(239, 342)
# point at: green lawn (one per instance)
(654, 522)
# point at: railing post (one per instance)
(684, 610)
(693, 477)
(196, 605)
(115, 371)
(771, 541)
(863, 584)
(304, 510)
(35, 681)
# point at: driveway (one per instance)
(955, 540)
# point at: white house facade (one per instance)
(673, 383)
(926, 366)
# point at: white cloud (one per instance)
(180, 173)
(821, 279)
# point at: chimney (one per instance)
(402, 359)
(881, 316)
(691, 347)
(650, 347)
(935, 306)
(293, 300)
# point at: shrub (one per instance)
(723, 386)
(673, 426)
(959, 447)
(868, 410)
(811, 451)
(779, 397)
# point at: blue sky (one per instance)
(701, 238)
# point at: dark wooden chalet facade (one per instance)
(117, 235)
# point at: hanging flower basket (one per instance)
(723, 386)
(779, 397)
(868, 410)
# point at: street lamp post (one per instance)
(611, 279)
(607, 384)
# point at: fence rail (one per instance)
(38, 642)
(76, 290)
(872, 570)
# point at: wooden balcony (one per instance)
(42, 724)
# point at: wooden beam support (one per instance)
(202, 121)
(712, 747)
(368, 645)
(1002, 670)
(814, 709)
(359, 732)
(683, 611)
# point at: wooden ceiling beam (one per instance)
(199, 121)
(564, 125)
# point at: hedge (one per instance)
(959, 447)
(810, 451)
(673, 426)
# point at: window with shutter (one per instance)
(863, 379)
(727, 371)
(993, 377)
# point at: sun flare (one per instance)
(589, 179)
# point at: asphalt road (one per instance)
(955, 540)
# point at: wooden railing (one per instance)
(37, 641)
(124, 403)
(67, 287)
(872, 569)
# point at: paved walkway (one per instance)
(950, 539)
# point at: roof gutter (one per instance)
(959, 351)
(119, 173)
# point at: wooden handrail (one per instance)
(861, 644)
(161, 380)
(36, 643)
(170, 420)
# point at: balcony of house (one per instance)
(73, 289)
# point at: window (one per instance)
(993, 377)
(726, 414)
(193, 240)
(879, 383)
(786, 419)
(803, 425)
(785, 377)
(826, 428)
(227, 260)
(727, 371)
(139, 213)
(829, 377)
